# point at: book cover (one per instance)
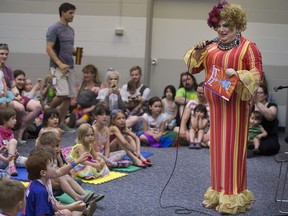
(220, 84)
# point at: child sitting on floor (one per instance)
(50, 123)
(39, 196)
(256, 132)
(102, 139)
(95, 166)
(199, 121)
(64, 183)
(122, 138)
(9, 155)
(12, 197)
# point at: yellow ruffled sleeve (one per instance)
(249, 83)
(190, 60)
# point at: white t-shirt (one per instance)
(154, 124)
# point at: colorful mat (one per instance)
(22, 174)
(65, 199)
(111, 176)
(131, 168)
(144, 154)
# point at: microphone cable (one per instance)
(180, 209)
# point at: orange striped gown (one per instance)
(229, 125)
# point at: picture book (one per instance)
(220, 84)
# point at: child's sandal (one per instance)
(12, 171)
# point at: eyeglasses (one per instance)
(200, 93)
(3, 45)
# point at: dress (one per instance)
(84, 171)
(229, 122)
(169, 111)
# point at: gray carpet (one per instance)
(139, 193)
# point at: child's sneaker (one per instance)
(12, 171)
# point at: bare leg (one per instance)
(192, 135)
(63, 102)
(33, 108)
(12, 146)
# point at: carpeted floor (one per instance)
(138, 193)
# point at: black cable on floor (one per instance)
(180, 209)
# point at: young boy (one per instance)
(256, 132)
(65, 183)
(12, 197)
(40, 200)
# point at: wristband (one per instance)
(73, 164)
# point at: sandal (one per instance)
(12, 171)
(141, 165)
(148, 163)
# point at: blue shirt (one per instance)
(37, 200)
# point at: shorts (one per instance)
(65, 84)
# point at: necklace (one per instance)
(228, 46)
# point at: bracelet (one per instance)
(73, 164)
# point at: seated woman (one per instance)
(27, 109)
(86, 97)
(269, 145)
(111, 95)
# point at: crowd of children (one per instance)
(103, 140)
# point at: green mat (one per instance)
(65, 199)
(131, 168)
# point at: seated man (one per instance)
(185, 92)
(188, 112)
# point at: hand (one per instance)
(10, 158)
(95, 90)
(64, 68)
(82, 158)
(230, 72)
(201, 46)
(3, 149)
(78, 206)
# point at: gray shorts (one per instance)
(65, 84)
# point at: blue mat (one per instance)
(22, 174)
(144, 154)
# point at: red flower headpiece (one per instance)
(214, 15)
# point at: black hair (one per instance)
(65, 7)
(172, 89)
(201, 108)
(101, 109)
(151, 102)
(48, 113)
(194, 86)
(18, 72)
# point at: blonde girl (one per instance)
(122, 138)
(102, 139)
(95, 166)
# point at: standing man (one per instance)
(60, 48)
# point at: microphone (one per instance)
(208, 42)
(277, 88)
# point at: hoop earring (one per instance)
(238, 36)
